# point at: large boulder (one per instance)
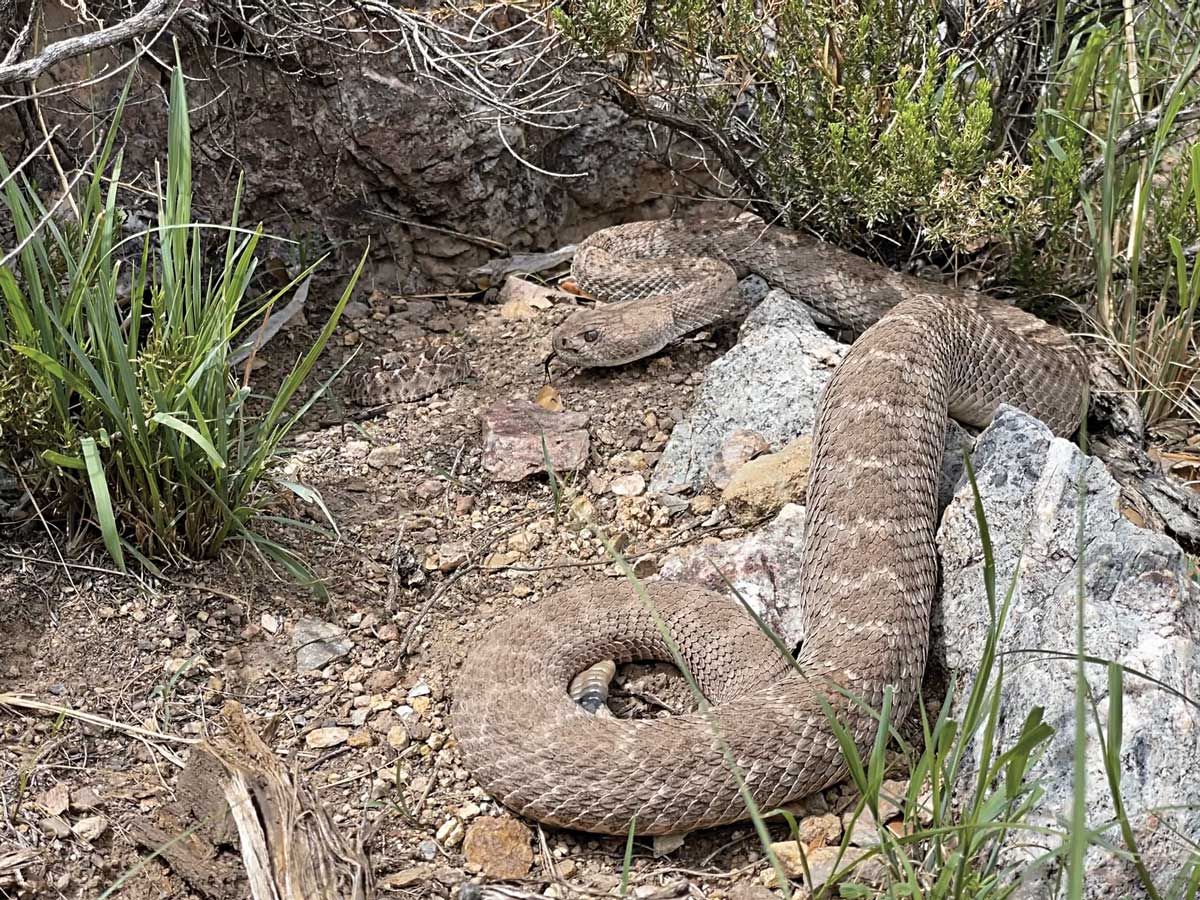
(768, 383)
(1141, 609)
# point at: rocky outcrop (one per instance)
(768, 386)
(1141, 609)
(768, 383)
(367, 150)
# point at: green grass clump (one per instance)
(117, 397)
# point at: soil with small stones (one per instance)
(429, 553)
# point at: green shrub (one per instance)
(120, 401)
(854, 120)
(1038, 146)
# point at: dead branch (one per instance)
(1134, 134)
(153, 16)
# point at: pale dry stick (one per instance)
(468, 566)
(471, 238)
(21, 41)
(548, 864)
(393, 588)
(50, 535)
(526, 163)
(29, 157)
(24, 701)
(391, 764)
(52, 210)
(437, 764)
(433, 597)
(1134, 133)
(53, 154)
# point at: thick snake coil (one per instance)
(869, 557)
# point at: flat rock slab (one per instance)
(513, 435)
(318, 644)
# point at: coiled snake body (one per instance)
(869, 556)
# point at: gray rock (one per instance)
(1142, 610)
(513, 435)
(769, 382)
(319, 643)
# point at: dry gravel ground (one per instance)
(431, 553)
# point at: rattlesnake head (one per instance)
(613, 334)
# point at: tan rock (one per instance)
(631, 485)
(498, 847)
(323, 738)
(822, 862)
(404, 879)
(56, 800)
(864, 832)
(450, 833)
(764, 485)
(549, 398)
(891, 798)
(90, 828)
(738, 449)
(382, 681)
(819, 831)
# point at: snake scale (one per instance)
(869, 556)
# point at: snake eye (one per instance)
(591, 335)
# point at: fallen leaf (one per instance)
(549, 398)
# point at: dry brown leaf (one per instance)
(56, 800)
(549, 398)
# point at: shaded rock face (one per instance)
(370, 151)
(1142, 609)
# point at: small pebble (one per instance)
(631, 485)
(450, 834)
